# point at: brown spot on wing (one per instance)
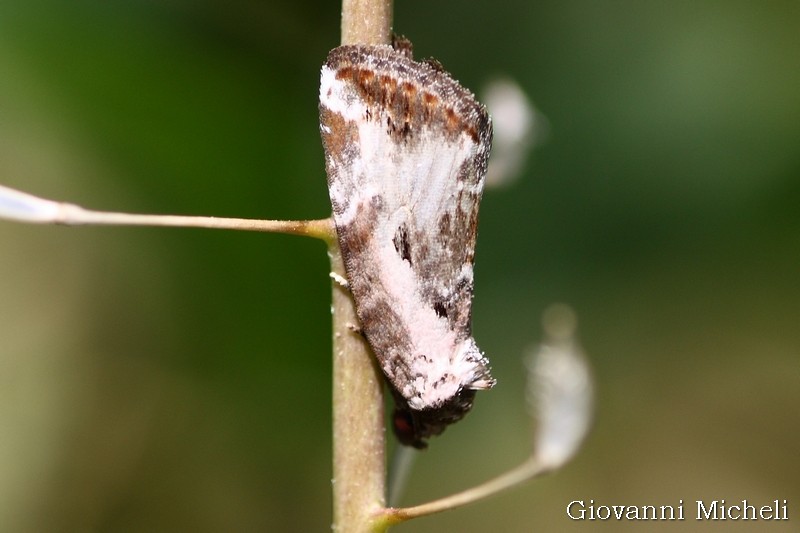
(409, 93)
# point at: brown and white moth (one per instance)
(406, 149)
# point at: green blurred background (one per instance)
(179, 380)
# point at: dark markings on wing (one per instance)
(407, 98)
(401, 243)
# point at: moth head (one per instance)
(413, 426)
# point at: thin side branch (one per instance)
(22, 207)
(522, 473)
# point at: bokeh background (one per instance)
(179, 380)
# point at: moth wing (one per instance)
(406, 151)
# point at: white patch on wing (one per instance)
(425, 186)
(406, 149)
(417, 202)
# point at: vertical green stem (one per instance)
(367, 21)
(359, 463)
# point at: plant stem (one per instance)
(359, 463)
(367, 21)
(359, 466)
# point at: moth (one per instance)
(406, 150)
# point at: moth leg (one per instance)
(339, 280)
(355, 328)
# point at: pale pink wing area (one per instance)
(406, 151)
